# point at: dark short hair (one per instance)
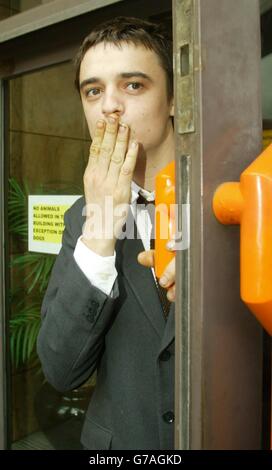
(135, 31)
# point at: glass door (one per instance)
(47, 148)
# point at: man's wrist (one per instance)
(101, 247)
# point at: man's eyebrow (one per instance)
(136, 74)
(91, 80)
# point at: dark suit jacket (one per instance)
(125, 338)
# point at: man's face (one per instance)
(127, 81)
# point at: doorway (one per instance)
(46, 151)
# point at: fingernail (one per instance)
(134, 144)
(100, 124)
(122, 128)
(170, 296)
(112, 120)
(163, 281)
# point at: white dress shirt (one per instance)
(100, 270)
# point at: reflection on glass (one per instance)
(48, 151)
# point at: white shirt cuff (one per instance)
(99, 270)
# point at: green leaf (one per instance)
(41, 265)
(24, 327)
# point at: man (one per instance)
(103, 310)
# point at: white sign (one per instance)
(46, 222)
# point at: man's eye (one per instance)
(93, 92)
(133, 86)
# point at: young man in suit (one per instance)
(103, 309)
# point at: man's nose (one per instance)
(112, 103)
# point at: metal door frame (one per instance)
(218, 133)
(46, 15)
(3, 369)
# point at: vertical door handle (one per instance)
(164, 216)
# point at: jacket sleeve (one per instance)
(75, 319)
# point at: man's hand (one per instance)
(168, 279)
(107, 178)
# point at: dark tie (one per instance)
(162, 292)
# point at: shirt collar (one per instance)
(136, 190)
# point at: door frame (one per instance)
(48, 14)
(219, 343)
(3, 329)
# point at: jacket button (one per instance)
(169, 417)
(165, 355)
(93, 304)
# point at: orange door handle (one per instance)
(249, 203)
(164, 216)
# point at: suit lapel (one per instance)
(140, 279)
